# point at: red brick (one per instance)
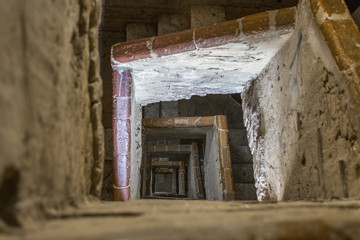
(255, 23)
(216, 34)
(131, 51)
(174, 43)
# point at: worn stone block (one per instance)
(238, 137)
(152, 110)
(168, 23)
(243, 173)
(169, 109)
(241, 154)
(205, 15)
(140, 30)
(245, 191)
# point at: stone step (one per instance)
(238, 137)
(240, 154)
(245, 191)
(243, 173)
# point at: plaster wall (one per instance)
(51, 135)
(302, 121)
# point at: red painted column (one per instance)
(122, 80)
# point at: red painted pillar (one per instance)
(122, 80)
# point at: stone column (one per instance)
(121, 121)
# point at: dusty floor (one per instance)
(186, 219)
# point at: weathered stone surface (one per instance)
(168, 23)
(304, 139)
(169, 109)
(205, 15)
(50, 144)
(243, 173)
(98, 149)
(154, 219)
(245, 191)
(238, 137)
(139, 30)
(241, 154)
(152, 110)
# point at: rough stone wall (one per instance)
(51, 135)
(302, 119)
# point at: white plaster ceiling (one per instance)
(217, 70)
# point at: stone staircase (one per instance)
(240, 152)
(242, 164)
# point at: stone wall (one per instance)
(302, 112)
(51, 135)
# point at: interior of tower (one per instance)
(202, 119)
